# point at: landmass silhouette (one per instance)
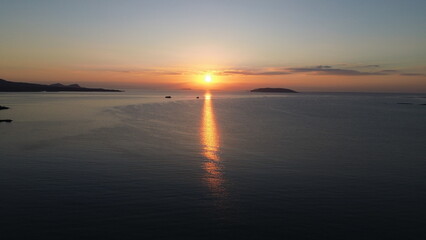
(8, 86)
(282, 90)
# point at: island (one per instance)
(3, 107)
(273, 90)
(8, 86)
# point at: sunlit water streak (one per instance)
(210, 140)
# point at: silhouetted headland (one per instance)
(274, 90)
(3, 108)
(8, 86)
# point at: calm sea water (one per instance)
(135, 165)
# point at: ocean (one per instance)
(229, 165)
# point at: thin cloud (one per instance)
(317, 70)
(324, 67)
(369, 66)
(323, 70)
(328, 70)
(412, 74)
(138, 71)
(389, 71)
(249, 72)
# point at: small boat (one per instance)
(168, 96)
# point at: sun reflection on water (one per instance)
(211, 148)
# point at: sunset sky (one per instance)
(306, 45)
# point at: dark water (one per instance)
(225, 166)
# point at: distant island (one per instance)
(8, 86)
(273, 90)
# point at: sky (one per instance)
(306, 45)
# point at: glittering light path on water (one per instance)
(210, 142)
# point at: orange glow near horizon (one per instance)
(195, 78)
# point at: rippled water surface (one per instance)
(224, 166)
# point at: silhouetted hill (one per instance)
(8, 86)
(273, 90)
(57, 85)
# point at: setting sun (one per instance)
(208, 78)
